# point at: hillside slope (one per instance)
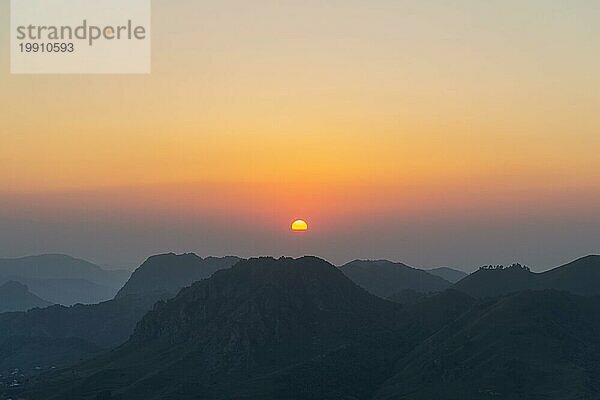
(530, 345)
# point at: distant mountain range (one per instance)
(385, 278)
(301, 329)
(14, 296)
(63, 279)
(581, 277)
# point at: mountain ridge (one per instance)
(168, 273)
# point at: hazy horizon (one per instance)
(429, 133)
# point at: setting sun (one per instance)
(299, 225)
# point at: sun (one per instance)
(299, 225)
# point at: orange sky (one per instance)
(270, 111)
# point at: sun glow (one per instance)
(299, 225)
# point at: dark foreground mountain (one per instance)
(450, 274)
(166, 274)
(15, 296)
(63, 279)
(581, 277)
(266, 328)
(385, 278)
(530, 345)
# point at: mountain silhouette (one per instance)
(265, 328)
(385, 278)
(450, 274)
(580, 277)
(63, 279)
(301, 329)
(53, 266)
(15, 296)
(168, 273)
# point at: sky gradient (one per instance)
(447, 133)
